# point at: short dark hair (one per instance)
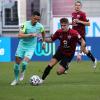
(78, 2)
(35, 13)
(64, 20)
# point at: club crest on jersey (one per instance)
(69, 37)
(78, 16)
(60, 36)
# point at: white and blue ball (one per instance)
(34, 80)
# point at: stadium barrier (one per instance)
(8, 47)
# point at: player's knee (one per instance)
(60, 70)
(59, 73)
(18, 60)
(24, 63)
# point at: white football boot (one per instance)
(95, 64)
(15, 82)
(41, 81)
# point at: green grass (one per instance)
(81, 83)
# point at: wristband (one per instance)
(43, 43)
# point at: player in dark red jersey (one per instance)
(68, 40)
(79, 21)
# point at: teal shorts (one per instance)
(24, 53)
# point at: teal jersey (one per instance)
(28, 28)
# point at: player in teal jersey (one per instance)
(27, 44)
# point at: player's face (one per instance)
(35, 19)
(64, 26)
(77, 7)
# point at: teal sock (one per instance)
(16, 71)
(24, 64)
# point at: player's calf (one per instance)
(15, 82)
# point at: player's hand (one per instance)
(34, 35)
(48, 40)
(74, 23)
(77, 21)
(43, 45)
(79, 58)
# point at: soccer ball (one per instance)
(34, 80)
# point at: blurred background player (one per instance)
(79, 21)
(68, 40)
(27, 44)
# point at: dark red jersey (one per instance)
(68, 40)
(79, 27)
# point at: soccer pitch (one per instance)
(81, 83)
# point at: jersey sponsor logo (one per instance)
(66, 45)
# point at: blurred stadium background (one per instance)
(14, 12)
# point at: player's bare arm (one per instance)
(86, 23)
(22, 35)
(43, 39)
